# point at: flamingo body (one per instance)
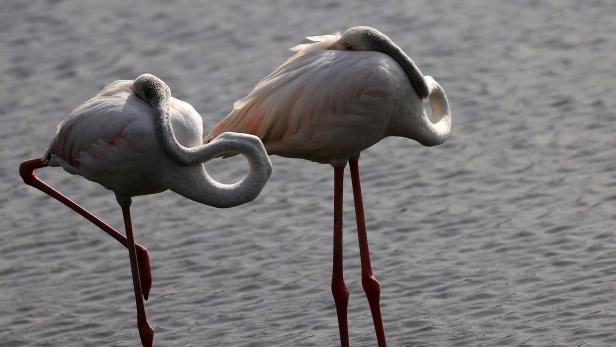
(330, 105)
(111, 139)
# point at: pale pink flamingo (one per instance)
(330, 101)
(133, 138)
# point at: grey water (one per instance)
(503, 236)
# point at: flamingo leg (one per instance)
(26, 170)
(371, 285)
(146, 333)
(339, 290)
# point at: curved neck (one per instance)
(411, 70)
(193, 181)
(190, 178)
(417, 124)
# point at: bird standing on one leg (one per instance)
(331, 100)
(134, 139)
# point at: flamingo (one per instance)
(327, 103)
(133, 138)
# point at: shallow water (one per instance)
(504, 236)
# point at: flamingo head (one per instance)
(361, 38)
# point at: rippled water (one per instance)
(504, 236)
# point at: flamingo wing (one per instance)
(104, 128)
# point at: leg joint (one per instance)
(371, 285)
(339, 290)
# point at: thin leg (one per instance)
(371, 285)
(339, 290)
(145, 330)
(26, 170)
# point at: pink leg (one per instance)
(371, 285)
(26, 170)
(339, 290)
(145, 330)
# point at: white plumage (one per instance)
(329, 105)
(111, 139)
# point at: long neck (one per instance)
(193, 181)
(417, 124)
(385, 45)
(156, 92)
(412, 72)
(190, 178)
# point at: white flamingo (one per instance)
(135, 139)
(330, 101)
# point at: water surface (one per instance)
(504, 236)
